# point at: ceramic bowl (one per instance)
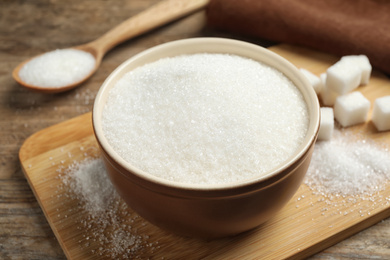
(208, 211)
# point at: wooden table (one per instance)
(28, 28)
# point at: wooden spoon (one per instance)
(162, 13)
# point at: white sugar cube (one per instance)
(326, 124)
(314, 80)
(323, 78)
(327, 95)
(342, 77)
(363, 63)
(381, 113)
(351, 109)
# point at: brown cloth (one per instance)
(340, 27)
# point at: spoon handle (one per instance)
(157, 15)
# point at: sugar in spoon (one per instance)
(162, 13)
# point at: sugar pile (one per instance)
(205, 118)
(89, 180)
(57, 68)
(347, 166)
(106, 227)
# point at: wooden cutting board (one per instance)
(306, 225)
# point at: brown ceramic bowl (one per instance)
(214, 210)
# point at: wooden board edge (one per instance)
(48, 219)
(346, 233)
(30, 149)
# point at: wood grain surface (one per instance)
(28, 28)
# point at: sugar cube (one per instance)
(327, 124)
(327, 95)
(314, 80)
(342, 77)
(363, 63)
(351, 109)
(381, 113)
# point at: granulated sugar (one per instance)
(89, 180)
(347, 165)
(205, 118)
(106, 227)
(57, 68)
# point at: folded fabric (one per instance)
(340, 27)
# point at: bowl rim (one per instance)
(213, 45)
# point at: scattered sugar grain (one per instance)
(345, 166)
(205, 118)
(85, 95)
(89, 180)
(57, 68)
(107, 217)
